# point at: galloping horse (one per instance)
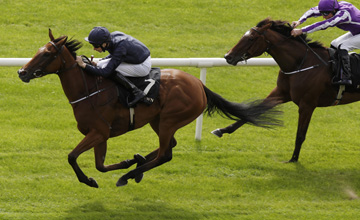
(305, 73)
(100, 116)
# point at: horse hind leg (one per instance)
(156, 158)
(142, 160)
(229, 129)
(100, 154)
(151, 156)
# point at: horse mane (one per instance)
(284, 28)
(72, 45)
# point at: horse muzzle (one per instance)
(233, 60)
(24, 75)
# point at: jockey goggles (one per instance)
(96, 45)
(325, 13)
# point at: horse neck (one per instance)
(288, 53)
(73, 79)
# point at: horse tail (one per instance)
(259, 112)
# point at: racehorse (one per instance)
(305, 72)
(100, 116)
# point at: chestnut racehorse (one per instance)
(100, 116)
(305, 73)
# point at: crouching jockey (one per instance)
(336, 14)
(128, 57)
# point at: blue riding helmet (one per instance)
(98, 36)
(328, 5)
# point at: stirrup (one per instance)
(138, 96)
(346, 82)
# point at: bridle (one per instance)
(247, 54)
(301, 69)
(266, 40)
(88, 95)
(41, 70)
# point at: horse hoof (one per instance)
(93, 183)
(121, 182)
(139, 177)
(140, 161)
(217, 133)
(291, 161)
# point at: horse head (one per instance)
(47, 60)
(253, 43)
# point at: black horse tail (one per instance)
(259, 112)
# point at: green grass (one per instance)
(241, 176)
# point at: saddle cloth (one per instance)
(149, 84)
(355, 69)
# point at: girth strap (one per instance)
(339, 95)
(132, 121)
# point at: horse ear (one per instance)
(63, 40)
(51, 35)
(267, 26)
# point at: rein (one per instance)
(311, 67)
(87, 96)
(59, 51)
(302, 62)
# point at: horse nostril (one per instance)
(21, 72)
(227, 57)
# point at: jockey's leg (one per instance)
(345, 43)
(133, 70)
(138, 94)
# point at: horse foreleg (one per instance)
(305, 113)
(91, 139)
(229, 129)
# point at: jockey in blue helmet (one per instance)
(336, 14)
(128, 57)
(98, 36)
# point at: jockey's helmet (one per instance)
(328, 5)
(98, 36)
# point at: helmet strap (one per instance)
(104, 48)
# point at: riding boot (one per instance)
(345, 75)
(138, 94)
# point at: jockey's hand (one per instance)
(80, 62)
(294, 24)
(296, 32)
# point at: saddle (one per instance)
(355, 69)
(150, 84)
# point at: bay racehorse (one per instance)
(305, 76)
(100, 116)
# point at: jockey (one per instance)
(342, 15)
(128, 57)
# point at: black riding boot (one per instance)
(138, 94)
(345, 75)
